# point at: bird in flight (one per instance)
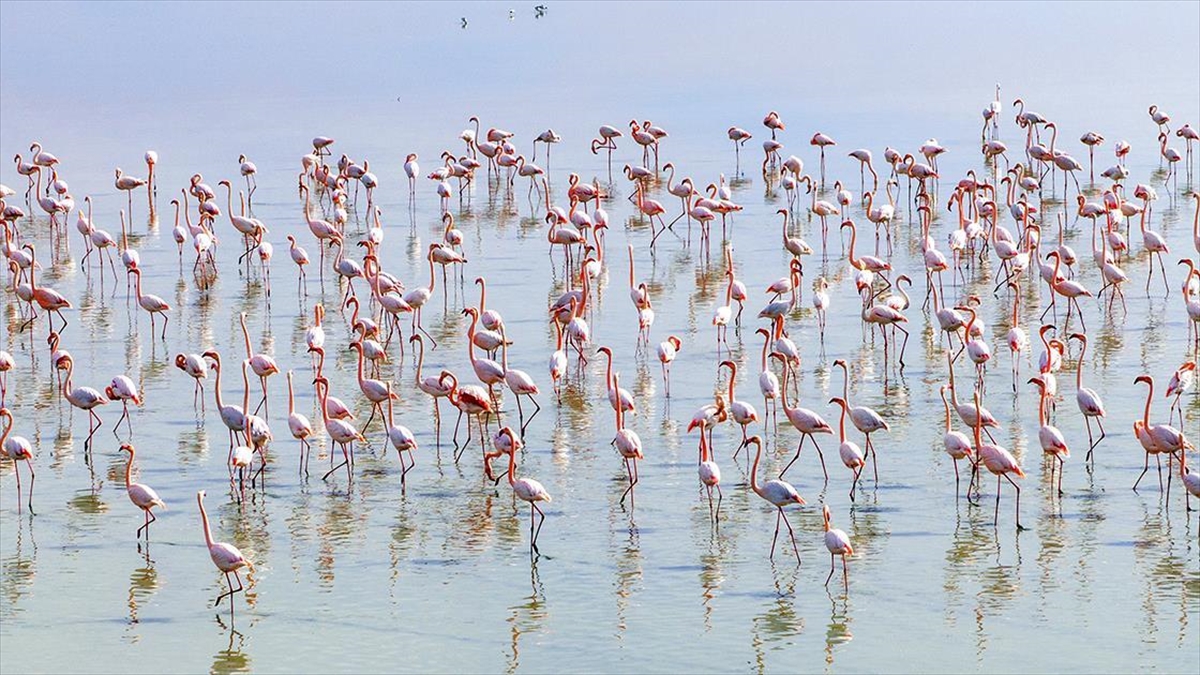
(539, 11)
(464, 22)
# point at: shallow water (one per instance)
(439, 577)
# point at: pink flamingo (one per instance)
(143, 496)
(629, 445)
(1088, 400)
(17, 448)
(778, 493)
(837, 542)
(807, 422)
(527, 490)
(226, 557)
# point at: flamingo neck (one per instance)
(512, 462)
(208, 538)
(128, 468)
(1149, 397)
(291, 397)
(754, 470)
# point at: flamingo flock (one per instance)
(995, 230)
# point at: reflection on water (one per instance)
(143, 583)
(20, 569)
(525, 618)
(778, 622)
(837, 631)
(232, 658)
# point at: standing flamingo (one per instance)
(299, 426)
(1088, 400)
(1053, 443)
(17, 448)
(401, 438)
(956, 443)
(807, 422)
(865, 419)
(1000, 463)
(837, 542)
(742, 412)
(151, 303)
(778, 493)
(629, 445)
(263, 366)
(850, 453)
(226, 557)
(124, 390)
(143, 496)
(710, 475)
(1156, 439)
(84, 398)
(527, 490)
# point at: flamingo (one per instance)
(124, 390)
(151, 303)
(773, 122)
(143, 496)
(527, 490)
(226, 557)
(629, 445)
(340, 431)
(434, 387)
(778, 493)
(417, 298)
(1181, 381)
(84, 398)
(837, 542)
(743, 413)
(865, 419)
(197, 368)
(1088, 400)
(472, 401)
(1053, 443)
(263, 366)
(822, 141)
(401, 437)
(519, 382)
(17, 448)
(127, 184)
(615, 393)
(710, 476)
(739, 137)
(299, 426)
(850, 453)
(806, 421)
(1000, 463)
(864, 158)
(1191, 481)
(47, 298)
(374, 391)
(1156, 439)
(232, 416)
(956, 443)
(667, 350)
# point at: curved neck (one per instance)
(432, 279)
(754, 469)
(471, 338)
(845, 382)
(7, 428)
(631, 267)
(359, 349)
(1079, 368)
(946, 404)
(766, 343)
(67, 382)
(842, 424)
(128, 468)
(482, 295)
(323, 396)
(217, 386)
(1149, 397)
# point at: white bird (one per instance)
(837, 542)
(226, 557)
(143, 496)
(778, 493)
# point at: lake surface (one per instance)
(438, 577)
